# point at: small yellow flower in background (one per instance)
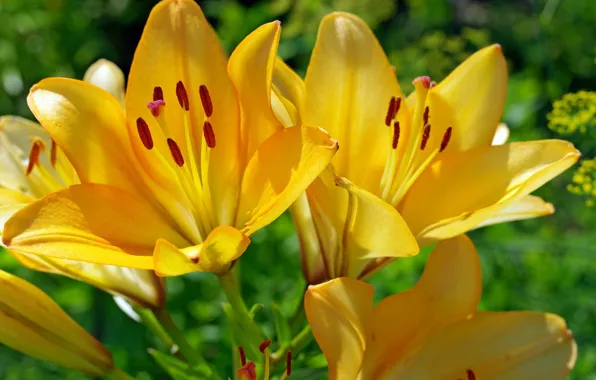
(574, 112)
(181, 179)
(33, 166)
(584, 181)
(425, 163)
(33, 324)
(433, 330)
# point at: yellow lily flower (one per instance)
(194, 166)
(427, 157)
(433, 331)
(28, 174)
(33, 324)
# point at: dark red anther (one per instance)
(263, 346)
(425, 136)
(157, 93)
(37, 147)
(397, 106)
(194, 259)
(176, 153)
(242, 356)
(154, 106)
(209, 134)
(144, 133)
(182, 95)
(425, 115)
(396, 132)
(206, 100)
(471, 375)
(289, 363)
(446, 138)
(390, 111)
(53, 154)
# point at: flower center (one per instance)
(405, 164)
(188, 153)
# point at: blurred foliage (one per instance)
(545, 264)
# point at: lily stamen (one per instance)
(53, 154)
(37, 147)
(425, 115)
(157, 93)
(446, 138)
(396, 132)
(182, 96)
(206, 100)
(288, 366)
(176, 153)
(144, 133)
(209, 134)
(242, 355)
(471, 375)
(390, 111)
(425, 136)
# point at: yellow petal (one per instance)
(496, 346)
(279, 171)
(107, 75)
(349, 83)
(251, 70)
(10, 197)
(223, 245)
(501, 135)
(448, 291)
(7, 211)
(168, 52)
(92, 223)
(460, 184)
(371, 230)
(340, 315)
(100, 152)
(140, 287)
(526, 207)
(289, 87)
(474, 93)
(33, 324)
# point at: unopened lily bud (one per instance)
(35, 325)
(107, 75)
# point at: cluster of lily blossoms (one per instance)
(120, 189)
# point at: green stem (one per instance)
(303, 338)
(163, 316)
(149, 320)
(232, 292)
(118, 374)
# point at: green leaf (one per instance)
(180, 370)
(282, 326)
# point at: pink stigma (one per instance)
(154, 106)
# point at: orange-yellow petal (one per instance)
(216, 254)
(495, 346)
(92, 223)
(474, 93)
(279, 171)
(349, 84)
(448, 291)
(340, 315)
(33, 324)
(455, 189)
(178, 44)
(251, 70)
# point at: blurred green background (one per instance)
(545, 264)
